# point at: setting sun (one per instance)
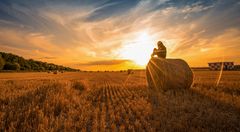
(139, 50)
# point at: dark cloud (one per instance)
(26, 16)
(214, 23)
(104, 62)
(222, 17)
(156, 6)
(42, 3)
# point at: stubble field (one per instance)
(115, 101)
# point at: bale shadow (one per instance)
(188, 110)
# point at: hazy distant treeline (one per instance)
(10, 61)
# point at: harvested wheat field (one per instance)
(115, 101)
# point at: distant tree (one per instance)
(10, 61)
(11, 66)
(41, 69)
(2, 63)
(27, 66)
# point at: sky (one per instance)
(120, 34)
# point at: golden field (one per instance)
(115, 101)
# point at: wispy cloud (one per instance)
(48, 58)
(105, 62)
(112, 8)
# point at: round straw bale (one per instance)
(164, 74)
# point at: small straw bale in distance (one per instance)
(164, 74)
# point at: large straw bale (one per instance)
(164, 74)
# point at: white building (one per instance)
(221, 65)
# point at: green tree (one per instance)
(2, 62)
(11, 66)
(13, 62)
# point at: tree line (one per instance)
(10, 61)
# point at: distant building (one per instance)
(237, 67)
(221, 65)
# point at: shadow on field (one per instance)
(188, 110)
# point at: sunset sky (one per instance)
(120, 34)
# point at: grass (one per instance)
(117, 102)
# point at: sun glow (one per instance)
(139, 50)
